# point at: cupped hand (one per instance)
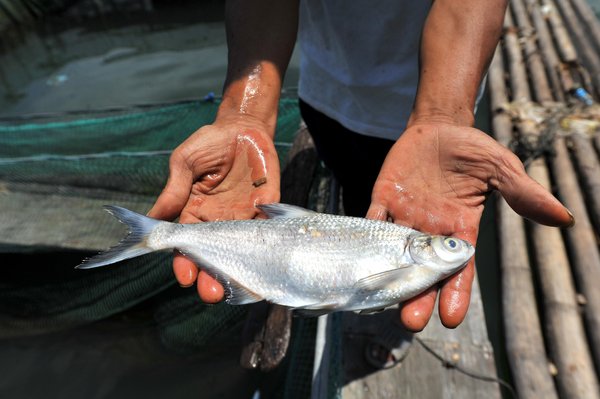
(221, 172)
(435, 179)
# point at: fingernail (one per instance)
(572, 223)
(186, 285)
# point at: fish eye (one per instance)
(452, 244)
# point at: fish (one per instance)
(314, 263)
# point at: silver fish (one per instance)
(316, 263)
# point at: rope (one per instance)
(453, 365)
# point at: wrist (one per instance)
(253, 95)
(450, 114)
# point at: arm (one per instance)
(438, 174)
(224, 169)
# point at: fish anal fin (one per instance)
(284, 211)
(381, 280)
(317, 309)
(235, 293)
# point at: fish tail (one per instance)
(134, 244)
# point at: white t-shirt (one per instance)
(360, 61)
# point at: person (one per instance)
(388, 91)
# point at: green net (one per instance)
(123, 151)
(114, 155)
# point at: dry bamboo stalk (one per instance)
(588, 15)
(585, 256)
(590, 56)
(559, 75)
(582, 241)
(524, 339)
(537, 74)
(589, 169)
(515, 62)
(565, 45)
(567, 49)
(564, 327)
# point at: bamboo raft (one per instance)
(545, 70)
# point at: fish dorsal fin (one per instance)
(381, 280)
(236, 294)
(284, 211)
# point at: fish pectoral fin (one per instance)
(236, 294)
(379, 281)
(284, 211)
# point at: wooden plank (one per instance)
(420, 374)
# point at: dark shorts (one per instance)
(354, 159)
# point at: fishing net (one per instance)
(110, 156)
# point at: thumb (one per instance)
(530, 199)
(172, 199)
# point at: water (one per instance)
(168, 54)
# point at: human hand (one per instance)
(435, 179)
(221, 172)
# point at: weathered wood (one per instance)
(535, 66)
(590, 55)
(588, 167)
(560, 33)
(582, 242)
(587, 14)
(523, 332)
(420, 374)
(581, 239)
(567, 342)
(563, 325)
(558, 74)
(516, 65)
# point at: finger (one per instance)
(416, 312)
(528, 198)
(455, 296)
(174, 196)
(209, 289)
(377, 212)
(186, 272)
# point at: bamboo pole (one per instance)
(585, 256)
(564, 327)
(561, 35)
(523, 332)
(590, 55)
(537, 74)
(588, 166)
(581, 241)
(559, 75)
(588, 15)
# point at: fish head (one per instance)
(442, 253)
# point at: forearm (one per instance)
(458, 42)
(260, 38)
